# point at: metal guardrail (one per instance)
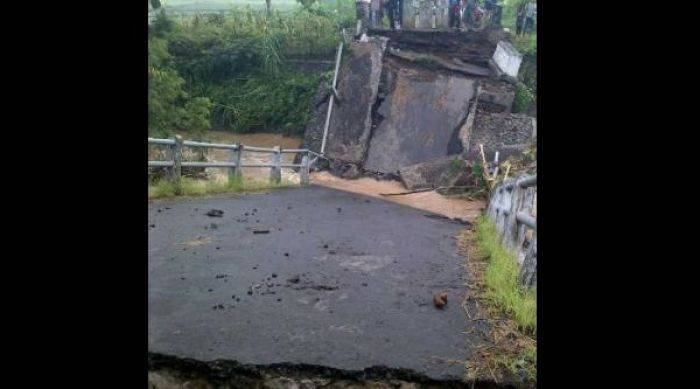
(510, 208)
(234, 164)
(520, 217)
(526, 219)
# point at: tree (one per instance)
(268, 6)
(169, 105)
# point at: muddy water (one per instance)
(257, 140)
(428, 201)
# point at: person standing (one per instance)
(455, 11)
(370, 13)
(520, 18)
(530, 16)
(469, 7)
(380, 13)
(389, 10)
(362, 8)
(496, 11)
(393, 8)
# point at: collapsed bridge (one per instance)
(409, 103)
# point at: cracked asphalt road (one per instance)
(339, 280)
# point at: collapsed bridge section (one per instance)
(404, 99)
(418, 118)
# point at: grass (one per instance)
(190, 187)
(524, 98)
(509, 308)
(526, 44)
(501, 278)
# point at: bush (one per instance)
(265, 102)
(170, 107)
(236, 62)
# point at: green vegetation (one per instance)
(190, 187)
(524, 98)
(227, 71)
(193, 6)
(479, 175)
(527, 44)
(509, 308)
(501, 278)
(456, 165)
(526, 95)
(169, 105)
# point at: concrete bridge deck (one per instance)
(339, 280)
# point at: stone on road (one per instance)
(347, 290)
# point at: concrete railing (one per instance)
(511, 209)
(175, 163)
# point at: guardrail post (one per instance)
(170, 156)
(177, 158)
(304, 175)
(235, 173)
(276, 171)
(510, 228)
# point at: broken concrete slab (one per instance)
(507, 58)
(434, 62)
(313, 132)
(430, 174)
(446, 172)
(417, 103)
(507, 133)
(350, 123)
(475, 47)
(345, 170)
(496, 96)
(419, 118)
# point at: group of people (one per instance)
(469, 12)
(525, 18)
(370, 13)
(472, 13)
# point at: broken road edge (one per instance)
(225, 373)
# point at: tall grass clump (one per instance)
(501, 277)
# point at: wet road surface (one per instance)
(305, 275)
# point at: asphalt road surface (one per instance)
(306, 275)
